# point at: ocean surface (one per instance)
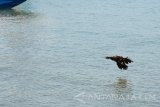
(52, 53)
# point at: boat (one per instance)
(8, 4)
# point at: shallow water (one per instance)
(52, 53)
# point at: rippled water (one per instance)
(52, 53)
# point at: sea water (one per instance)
(52, 53)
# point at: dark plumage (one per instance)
(121, 62)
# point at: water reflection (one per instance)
(15, 13)
(121, 82)
(122, 87)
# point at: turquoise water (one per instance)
(52, 53)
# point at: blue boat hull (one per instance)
(8, 4)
